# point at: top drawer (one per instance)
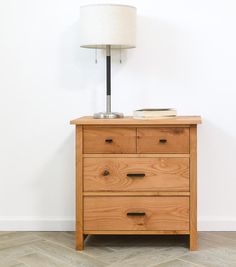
(163, 140)
(109, 140)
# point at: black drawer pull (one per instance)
(136, 175)
(106, 173)
(109, 141)
(136, 213)
(162, 141)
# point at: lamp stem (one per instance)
(108, 74)
(108, 114)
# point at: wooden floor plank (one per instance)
(67, 255)
(14, 252)
(14, 241)
(19, 265)
(62, 238)
(40, 260)
(217, 257)
(149, 256)
(8, 263)
(178, 263)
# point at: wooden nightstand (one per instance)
(136, 177)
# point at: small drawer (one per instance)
(136, 213)
(136, 174)
(109, 140)
(163, 140)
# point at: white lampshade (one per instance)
(108, 24)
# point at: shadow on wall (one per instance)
(57, 176)
(216, 171)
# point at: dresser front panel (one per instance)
(109, 139)
(136, 174)
(163, 140)
(136, 213)
(136, 177)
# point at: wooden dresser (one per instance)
(136, 177)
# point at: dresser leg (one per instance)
(79, 188)
(193, 241)
(193, 188)
(79, 241)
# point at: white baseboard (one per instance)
(216, 224)
(37, 224)
(68, 224)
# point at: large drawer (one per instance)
(109, 140)
(163, 140)
(136, 213)
(136, 174)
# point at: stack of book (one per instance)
(154, 113)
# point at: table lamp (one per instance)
(108, 26)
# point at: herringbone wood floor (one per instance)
(56, 249)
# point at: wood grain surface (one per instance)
(193, 188)
(137, 232)
(109, 140)
(79, 188)
(118, 174)
(161, 213)
(178, 120)
(156, 155)
(136, 193)
(136, 177)
(163, 140)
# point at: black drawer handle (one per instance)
(136, 175)
(109, 141)
(106, 173)
(136, 213)
(162, 141)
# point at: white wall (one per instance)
(185, 58)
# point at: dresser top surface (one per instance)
(178, 120)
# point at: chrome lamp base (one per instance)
(108, 115)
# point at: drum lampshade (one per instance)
(107, 24)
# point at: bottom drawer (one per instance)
(136, 213)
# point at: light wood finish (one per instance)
(111, 213)
(119, 174)
(136, 193)
(193, 188)
(187, 120)
(138, 232)
(136, 155)
(79, 188)
(167, 192)
(163, 140)
(109, 140)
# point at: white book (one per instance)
(150, 113)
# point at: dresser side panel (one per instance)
(193, 187)
(79, 188)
